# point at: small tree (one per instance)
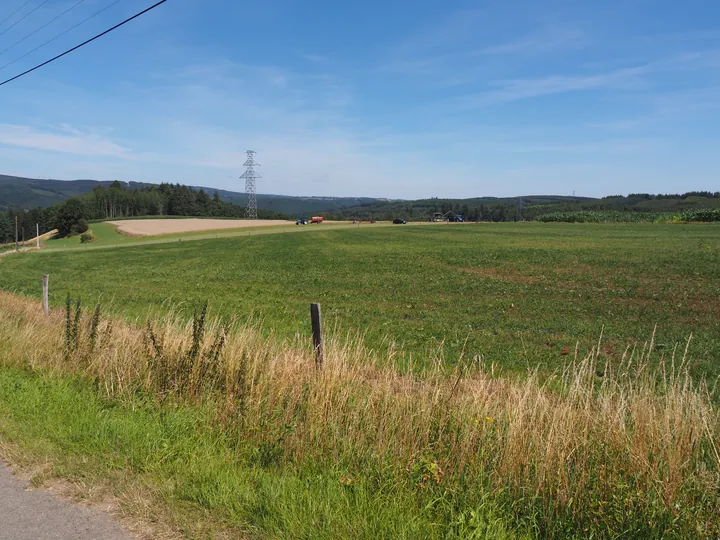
(69, 216)
(81, 226)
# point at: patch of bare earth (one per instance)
(154, 227)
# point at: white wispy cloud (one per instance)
(317, 134)
(67, 140)
(539, 43)
(258, 90)
(635, 78)
(662, 107)
(514, 90)
(451, 45)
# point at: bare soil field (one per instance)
(153, 227)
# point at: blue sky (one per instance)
(389, 99)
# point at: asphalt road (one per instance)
(39, 515)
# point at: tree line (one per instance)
(524, 208)
(116, 202)
(425, 209)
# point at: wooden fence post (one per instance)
(46, 305)
(316, 320)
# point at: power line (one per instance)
(83, 43)
(14, 12)
(60, 35)
(43, 26)
(21, 19)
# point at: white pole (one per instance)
(37, 234)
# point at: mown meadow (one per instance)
(513, 295)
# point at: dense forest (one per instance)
(115, 202)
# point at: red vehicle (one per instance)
(317, 219)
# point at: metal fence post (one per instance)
(316, 320)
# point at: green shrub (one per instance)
(86, 238)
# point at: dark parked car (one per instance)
(398, 221)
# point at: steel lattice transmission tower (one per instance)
(250, 176)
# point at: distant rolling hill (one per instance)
(527, 206)
(30, 193)
(18, 192)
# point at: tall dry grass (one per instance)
(594, 445)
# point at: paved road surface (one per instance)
(39, 515)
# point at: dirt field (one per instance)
(152, 227)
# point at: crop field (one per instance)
(510, 295)
(153, 227)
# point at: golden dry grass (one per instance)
(581, 438)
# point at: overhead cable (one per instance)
(84, 43)
(14, 12)
(76, 4)
(59, 35)
(21, 19)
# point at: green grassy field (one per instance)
(512, 294)
(254, 439)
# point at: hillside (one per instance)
(286, 204)
(527, 207)
(29, 193)
(19, 192)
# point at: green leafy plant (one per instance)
(586, 216)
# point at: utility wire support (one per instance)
(14, 12)
(83, 43)
(250, 187)
(59, 35)
(21, 19)
(43, 26)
